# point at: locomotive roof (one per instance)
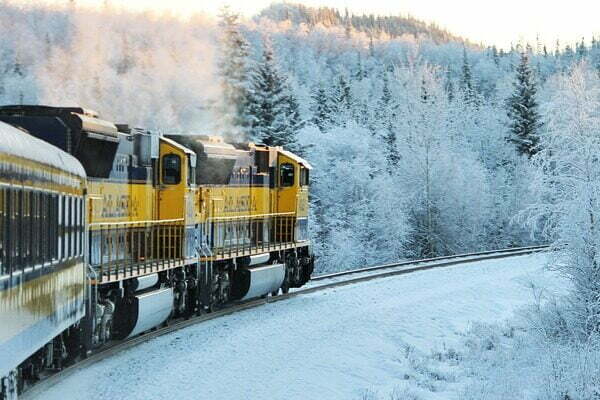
(296, 158)
(18, 143)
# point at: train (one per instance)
(108, 231)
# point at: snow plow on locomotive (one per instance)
(175, 225)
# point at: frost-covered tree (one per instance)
(525, 122)
(273, 106)
(266, 98)
(342, 101)
(467, 84)
(458, 182)
(290, 122)
(234, 70)
(568, 183)
(385, 123)
(352, 203)
(321, 108)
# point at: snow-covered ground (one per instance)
(344, 343)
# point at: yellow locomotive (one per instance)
(174, 224)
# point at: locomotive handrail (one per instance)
(280, 232)
(134, 223)
(250, 216)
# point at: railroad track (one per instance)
(317, 283)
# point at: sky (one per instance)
(499, 22)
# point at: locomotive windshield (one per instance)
(286, 175)
(171, 169)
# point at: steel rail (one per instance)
(424, 260)
(381, 271)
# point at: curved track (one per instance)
(318, 283)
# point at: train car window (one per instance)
(46, 213)
(70, 230)
(304, 181)
(3, 264)
(37, 228)
(74, 229)
(67, 226)
(18, 262)
(171, 169)
(8, 229)
(26, 229)
(53, 230)
(192, 174)
(77, 227)
(81, 226)
(286, 175)
(61, 227)
(272, 176)
(43, 227)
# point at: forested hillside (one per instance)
(421, 144)
(377, 26)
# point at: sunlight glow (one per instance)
(499, 22)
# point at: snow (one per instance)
(20, 144)
(333, 344)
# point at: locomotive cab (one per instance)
(176, 180)
(292, 192)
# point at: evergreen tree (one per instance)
(361, 72)
(392, 154)
(581, 49)
(449, 86)
(274, 108)
(383, 107)
(523, 110)
(466, 81)
(288, 122)
(495, 55)
(234, 71)
(343, 94)
(342, 102)
(321, 108)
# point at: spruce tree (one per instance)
(392, 154)
(581, 49)
(523, 110)
(385, 119)
(495, 56)
(234, 72)
(383, 107)
(466, 81)
(342, 102)
(321, 108)
(288, 122)
(274, 108)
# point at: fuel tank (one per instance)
(256, 281)
(141, 312)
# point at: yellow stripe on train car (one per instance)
(23, 305)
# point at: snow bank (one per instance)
(393, 335)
